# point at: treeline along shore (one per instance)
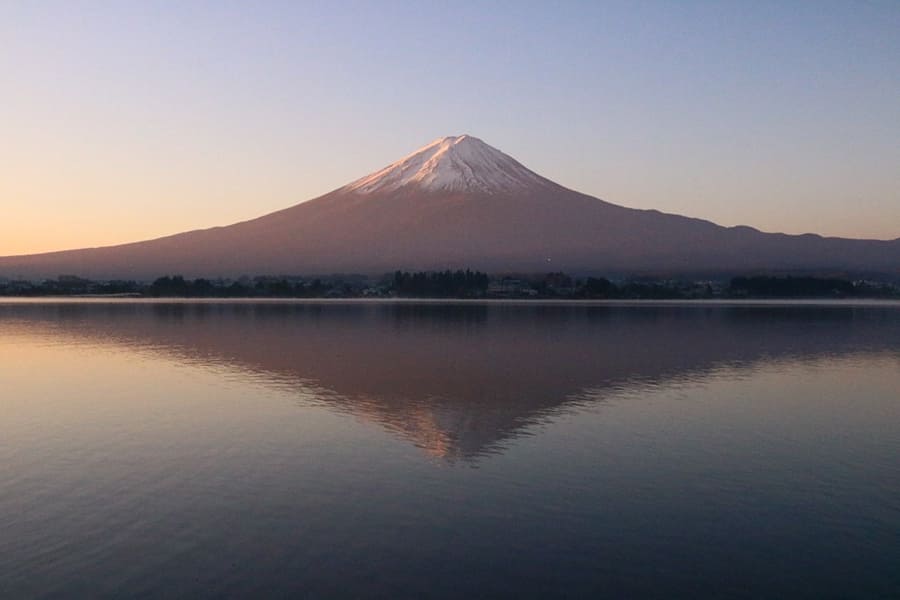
(459, 284)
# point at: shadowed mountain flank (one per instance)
(460, 203)
(460, 381)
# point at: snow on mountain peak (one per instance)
(454, 163)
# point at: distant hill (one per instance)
(460, 203)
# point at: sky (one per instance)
(122, 121)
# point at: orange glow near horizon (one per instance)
(43, 217)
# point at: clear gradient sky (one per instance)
(122, 121)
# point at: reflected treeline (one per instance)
(460, 379)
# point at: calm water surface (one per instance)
(417, 450)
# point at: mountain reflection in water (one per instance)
(461, 380)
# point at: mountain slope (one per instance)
(459, 203)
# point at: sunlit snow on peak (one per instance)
(454, 163)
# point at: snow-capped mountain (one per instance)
(460, 203)
(453, 164)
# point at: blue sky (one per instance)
(126, 120)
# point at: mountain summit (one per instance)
(459, 203)
(452, 164)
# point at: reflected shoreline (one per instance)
(846, 302)
(460, 378)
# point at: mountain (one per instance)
(460, 203)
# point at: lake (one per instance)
(449, 450)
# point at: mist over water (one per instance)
(438, 450)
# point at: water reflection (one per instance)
(266, 450)
(461, 380)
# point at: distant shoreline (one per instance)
(463, 285)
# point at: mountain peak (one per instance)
(458, 163)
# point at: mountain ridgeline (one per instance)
(459, 203)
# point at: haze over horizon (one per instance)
(125, 123)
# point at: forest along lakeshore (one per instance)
(462, 284)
